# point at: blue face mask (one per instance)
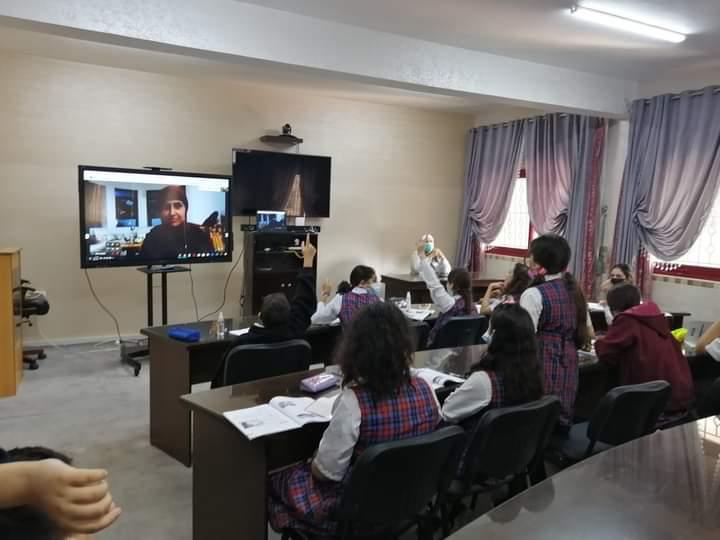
(429, 248)
(377, 289)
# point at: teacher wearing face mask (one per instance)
(436, 258)
(619, 273)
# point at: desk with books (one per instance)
(176, 365)
(230, 471)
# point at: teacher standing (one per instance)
(434, 256)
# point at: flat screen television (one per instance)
(296, 184)
(139, 217)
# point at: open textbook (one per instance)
(281, 414)
(437, 379)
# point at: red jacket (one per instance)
(639, 342)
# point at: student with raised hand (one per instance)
(281, 319)
(640, 345)
(380, 402)
(453, 302)
(364, 290)
(510, 290)
(43, 497)
(508, 375)
(559, 314)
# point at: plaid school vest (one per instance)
(556, 343)
(352, 302)
(412, 411)
(457, 310)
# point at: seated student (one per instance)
(437, 259)
(709, 342)
(43, 498)
(558, 311)
(346, 303)
(517, 280)
(619, 273)
(380, 402)
(281, 320)
(455, 301)
(640, 344)
(510, 372)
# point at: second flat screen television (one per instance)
(296, 184)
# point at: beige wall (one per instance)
(397, 172)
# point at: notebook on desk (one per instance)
(281, 414)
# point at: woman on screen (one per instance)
(174, 235)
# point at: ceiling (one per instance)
(541, 31)
(60, 47)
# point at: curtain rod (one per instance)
(693, 93)
(528, 120)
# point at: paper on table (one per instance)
(261, 420)
(418, 314)
(436, 379)
(323, 406)
(298, 409)
(240, 332)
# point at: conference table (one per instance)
(230, 471)
(663, 486)
(398, 285)
(176, 365)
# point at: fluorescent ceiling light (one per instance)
(621, 23)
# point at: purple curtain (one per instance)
(563, 155)
(492, 165)
(671, 176)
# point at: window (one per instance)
(515, 235)
(703, 259)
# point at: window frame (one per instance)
(514, 251)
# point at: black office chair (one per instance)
(502, 447)
(461, 331)
(33, 304)
(251, 362)
(392, 486)
(623, 414)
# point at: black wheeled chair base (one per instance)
(130, 355)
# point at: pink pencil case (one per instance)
(320, 382)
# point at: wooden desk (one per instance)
(660, 486)
(230, 472)
(11, 348)
(398, 285)
(176, 365)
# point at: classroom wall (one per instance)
(397, 172)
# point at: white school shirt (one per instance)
(440, 297)
(441, 265)
(531, 300)
(328, 313)
(338, 442)
(470, 397)
(713, 349)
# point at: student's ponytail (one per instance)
(344, 287)
(582, 335)
(462, 286)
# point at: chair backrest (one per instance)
(628, 412)
(504, 441)
(394, 482)
(461, 331)
(251, 362)
(709, 403)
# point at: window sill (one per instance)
(511, 252)
(687, 272)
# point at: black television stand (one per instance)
(131, 354)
